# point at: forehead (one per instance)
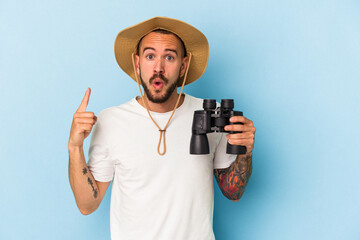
(160, 40)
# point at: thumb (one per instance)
(85, 101)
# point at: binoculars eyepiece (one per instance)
(213, 119)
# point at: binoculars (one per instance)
(213, 119)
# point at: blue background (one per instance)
(291, 66)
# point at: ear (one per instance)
(184, 65)
(137, 64)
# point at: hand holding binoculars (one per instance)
(213, 119)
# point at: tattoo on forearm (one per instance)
(95, 191)
(233, 180)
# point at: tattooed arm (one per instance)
(87, 191)
(233, 180)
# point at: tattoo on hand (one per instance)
(84, 171)
(233, 180)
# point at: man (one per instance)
(168, 193)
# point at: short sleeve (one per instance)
(221, 158)
(100, 162)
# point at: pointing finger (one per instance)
(85, 101)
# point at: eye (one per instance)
(150, 56)
(169, 58)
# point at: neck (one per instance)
(165, 106)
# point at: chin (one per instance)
(159, 99)
(161, 96)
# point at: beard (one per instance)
(159, 99)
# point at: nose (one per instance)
(159, 66)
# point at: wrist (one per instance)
(75, 148)
(244, 156)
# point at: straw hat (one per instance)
(195, 42)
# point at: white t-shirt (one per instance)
(169, 197)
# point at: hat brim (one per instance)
(195, 42)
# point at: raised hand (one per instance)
(82, 123)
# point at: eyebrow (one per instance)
(147, 48)
(167, 49)
(171, 50)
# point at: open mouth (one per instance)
(157, 83)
